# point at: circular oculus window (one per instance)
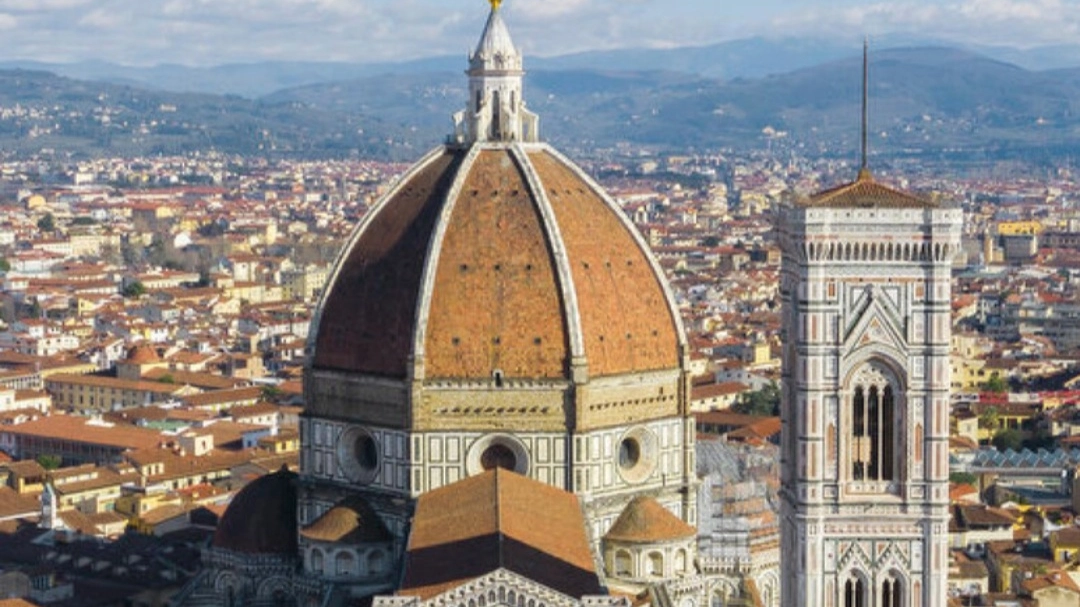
(636, 456)
(497, 451)
(358, 455)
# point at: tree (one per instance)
(47, 223)
(963, 478)
(134, 290)
(1007, 439)
(167, 379)
(996, 384)
(49, 462)
(271, 393)
(765, 401)
(5, 265)
(989, 420)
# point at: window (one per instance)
(345, 564)
(623, 564)
(498, 456)
(375, 562)
(873, 435)
(890, 593)
(656, 564)
(855, 593)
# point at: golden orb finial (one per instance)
(495, 4)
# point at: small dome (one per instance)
(143, 354)
(352, 521)
(261, 518)
(645, 520)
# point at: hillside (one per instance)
(929, 101)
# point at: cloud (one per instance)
(103, 19)
(550, 9)
(204, 32)
(1022, 23)
(40, 6)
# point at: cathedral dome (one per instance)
(261, 518)
(143, 354)
(495, 288)
(496, 257)
(496, 260)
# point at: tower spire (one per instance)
(864, 166)
(495, 111)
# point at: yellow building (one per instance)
(1065, 545)
(37, 201)
(90, 489)
(87, 393)
(1019, 228)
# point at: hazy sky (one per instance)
(207, 32)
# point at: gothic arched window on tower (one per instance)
(890, 593)
(855, 593)
(873, 432)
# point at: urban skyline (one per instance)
(679, 379)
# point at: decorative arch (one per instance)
(345, 563)
(654, 564)
(681, 564)
(769, 588)
(722, 593)
(274, 589)
(623, 563)
(376, 562)
(874, 402)
(893, 590)
(228, 584)
(315, 561)
(855, 589)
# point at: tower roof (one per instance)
(866, 192)
(496, 50)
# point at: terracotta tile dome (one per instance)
(500, 259)
(261, 519)
(143, 354)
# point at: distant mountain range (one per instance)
(747, 58)
(932, 102)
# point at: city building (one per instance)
(866, 288)
(495, 323)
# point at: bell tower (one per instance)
(866, 288)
